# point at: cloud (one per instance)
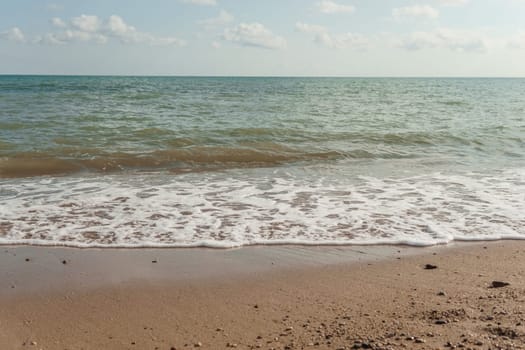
(14, 34)
(88, 28)
(453, 2)
(201, 2)
(330, 7)
(58, 22)
(222, 19)
(446, 38)
(117, 27)
(69, 35)
(254, 34)
(86, 23)
(322, 36)
(415, 11)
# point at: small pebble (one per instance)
(499, 284)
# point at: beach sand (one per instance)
(264, 297)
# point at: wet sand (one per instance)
(277, 297)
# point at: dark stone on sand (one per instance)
(27, 259)
(441, 322)
(499, 284)
(154, 261)
(504, 332)
(430, 267)
(64, 262)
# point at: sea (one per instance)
(103, 161)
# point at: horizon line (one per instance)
(267, 76)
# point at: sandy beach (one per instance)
(264, 297)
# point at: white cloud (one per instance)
(201, 2)
(117, 27)
(446, 38)
(330, 7)
(58, 22)
(310, 28)
(13, 34)
(86, 23)
(322, 36)
(49, 38)
(254, 34)
(415, 11)
(222, 19)
(453, 2)
(70, 35)
(86, 28)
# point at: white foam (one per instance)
(237, 208)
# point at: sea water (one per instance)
(225, 162)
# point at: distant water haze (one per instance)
(224, 162)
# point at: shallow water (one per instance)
(138, 161)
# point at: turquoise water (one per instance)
(184, 161)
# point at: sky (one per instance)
(264, 37)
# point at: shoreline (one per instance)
(46, 268)
(280, 297)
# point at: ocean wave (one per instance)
(235, 209)
(163, 149)
(74, 160)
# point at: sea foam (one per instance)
(235, 208)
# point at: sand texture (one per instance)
(395, 298)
